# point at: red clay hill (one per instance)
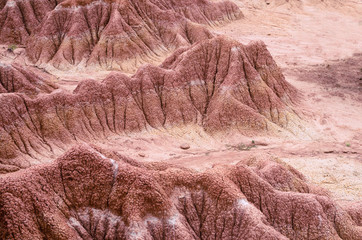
(57, 183)
(19, 19)
(16, 78)
(218, 84)
(85, 194)
(109, 34)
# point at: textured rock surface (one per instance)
(209, 85)
(115, 34)
(218, 84)
(19, 19)
(86, 195)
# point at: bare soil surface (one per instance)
(319, 50)
(223, 138)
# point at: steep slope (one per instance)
(86, 195)
(218, 84)
(19, 19)
(122, 34)
(15, 78)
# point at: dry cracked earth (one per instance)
(170, 119)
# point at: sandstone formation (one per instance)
(87, 195)
(121, 34)
(218, 84)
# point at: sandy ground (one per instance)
(317, 47)
(334, 165)
(320, 51)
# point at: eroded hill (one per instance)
(170, 151)
(87, 195)
(218, 84)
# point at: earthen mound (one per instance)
(218, 84)
(15, 78)
(87, 195)
(122, 34)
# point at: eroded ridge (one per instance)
(15, 78)
(87, 195)
(218, 84)
(122, 34)
(19, 19)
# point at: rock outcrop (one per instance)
(87, 195)
(218, 84)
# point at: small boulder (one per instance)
(184, 146)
